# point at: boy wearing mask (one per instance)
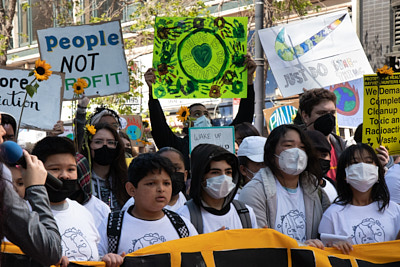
(215, 181)
(75, 223)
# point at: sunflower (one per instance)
(183, 114)
(79, 86)
(91, 129)
(384, 71)
(42, 70)
(145, 123)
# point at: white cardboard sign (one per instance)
(314, 53)
(223, 136)
(41, 111)
(93, 52)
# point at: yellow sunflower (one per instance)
(146, 124)
(42, 70)
(183, 114)
(91, 129)
(385, 70)
(79, 86)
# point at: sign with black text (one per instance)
(223, 136)
(93, 52)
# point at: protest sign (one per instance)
(41, 111)
(200, 57)
(134, 129)
(314, 53)
(223, 136)
(381, 124)
(93, 52)
(279, 115)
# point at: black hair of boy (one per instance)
(147, 163)
(52, 145)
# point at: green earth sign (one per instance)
(200, 57)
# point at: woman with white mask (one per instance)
(362, 213)
(215, 180)
(285, 195)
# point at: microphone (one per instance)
(12, 153)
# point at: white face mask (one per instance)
(292, 161)
(362, 176)
(219, 186)
(202, 121)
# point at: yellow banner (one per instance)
(253, 247)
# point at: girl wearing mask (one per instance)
(362, 212)
(285, 195)
(105, 152)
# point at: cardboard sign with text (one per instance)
(381, 122)
(93, 52)
(223, 136)
(279, 115)
(134, 129)
(41, 111)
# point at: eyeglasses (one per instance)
(108, 143)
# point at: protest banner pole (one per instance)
(259, 86)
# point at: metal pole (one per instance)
(259, 85)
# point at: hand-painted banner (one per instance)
(381, 124)
(41, 111)
(93, 52)
(134, 129)
(314, 53)
(200, 57)
(245, 247)
(279, 115)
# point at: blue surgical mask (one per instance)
(202, 121)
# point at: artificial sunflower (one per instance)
(79, 86)
(91, 129)
(385, 71)
(42, 70)
(183, 114)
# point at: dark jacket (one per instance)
(201, 157)
(35, 233)
(164, 137)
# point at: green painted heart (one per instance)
(202, 54)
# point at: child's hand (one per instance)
(344, 246)
(113, 260)
(221, 229)
(35, 173)
(150, 77)
(383, 155)
(316, 243)
(64, 261)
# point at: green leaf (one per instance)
(30, 90)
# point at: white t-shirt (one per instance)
(364, 224)
(79, 235)
(98, 209)
(290, 213)
(179, 203)
(330, 190)
(212, 223)
(392, 178)
(137, 233)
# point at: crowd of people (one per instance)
(302, 180)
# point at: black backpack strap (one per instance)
(195, 215)
(243, 212)
(178, 223)
(114, 226)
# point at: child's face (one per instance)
(218, 168)
(62, 166)
(153, 192)
(17, 181)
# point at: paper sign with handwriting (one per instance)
(223, 136)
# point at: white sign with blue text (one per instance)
(41, 111)
(93, 52)
(223, 136)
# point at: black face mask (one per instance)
(178, 183)
(128, 152)
(325, 124)
(68, 188)
(104, 155)
(325, 165)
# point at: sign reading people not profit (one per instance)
(39, 112)
(381, 122)
(93, 52)
(200, 57)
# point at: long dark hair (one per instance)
(273, 140)
(118, 168)
(379, 190)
